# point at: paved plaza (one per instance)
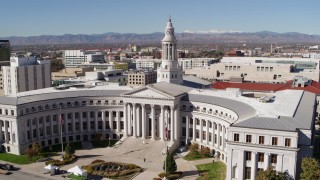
(131, 150)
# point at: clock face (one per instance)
(168, 32)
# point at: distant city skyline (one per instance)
(38, 17)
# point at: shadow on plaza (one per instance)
(88, 156)
(189, 173)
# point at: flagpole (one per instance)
(61, 133)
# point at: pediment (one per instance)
(148, 92)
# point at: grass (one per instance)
(57, 147)
(16, 159)
(103, 143)
(216, 170)
(196, 156)
(75, 177)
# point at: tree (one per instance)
(310, 169)
(272, 174)
(33, 151)
(205, 151)
(169, 165)
(69, 149)
(193, 148)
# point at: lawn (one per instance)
(16, 159)
(196, 156)
(216, 170)
(74, 177)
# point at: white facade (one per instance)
(147, 63)
(190, 63)
(25, 74)
(169, 71)
(259, 69)
(74, 58)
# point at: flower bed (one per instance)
(112, 169)
(67, 160)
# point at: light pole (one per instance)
(109, 141)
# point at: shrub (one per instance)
(205, 151)
(69, 149)
(97, 161)
(65, 161)
(33, 151)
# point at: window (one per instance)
(260, 157)
(248, 173)
(236, 137)
(261, 139)
(248, 139)
(198, 122)
(248, 155)
(273, 158)
(287, 142)
(274, 141)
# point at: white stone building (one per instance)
(259, 69)
(25, 74)
(74, 58)
(247, 131)
(190, 63)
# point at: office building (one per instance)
(141, 78)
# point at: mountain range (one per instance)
(185, 37)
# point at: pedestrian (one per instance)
(144, 159)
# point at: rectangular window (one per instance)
(274, 141)
(287, 142)
(273, 158)
(261, 139)
(260, 157)
(248, 173)
(248, 155)
(248, 138)
(236, 137)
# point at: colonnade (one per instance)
(150, 120)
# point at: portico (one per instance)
(153, 112)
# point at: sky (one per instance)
(57, 17)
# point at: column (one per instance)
(129, 120)
(6, 132)
(51, 125)
(103, 117)
(223, 134)
(38, 128)
(201, 130)
(229, 163)
(207, 131)
(143, 118)
(194, 130)
(134, 120)
(110, 121)
(81, 123)
(138, 119)
(88, 121)
(253, 165)
(66, 126)
(1, 135)
(177, 123)
(279, 162)
(212, 130)
(44, 125)
(187, 129)
(118, 121)
(218, 136)
(266, 160)
(241, 165)
(162, 126)
(96, 121)
(125, 119)
(171, 123)
(153, 124)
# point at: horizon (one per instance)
(36, 18)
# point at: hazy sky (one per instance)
(55, 17)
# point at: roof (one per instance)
(243, 110)
(51, 93)
(195, 79)
(171, 89)
(313, 88)
(302, 119)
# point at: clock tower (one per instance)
(169, 70)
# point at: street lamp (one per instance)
(109, 141)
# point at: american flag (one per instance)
(166, 130)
